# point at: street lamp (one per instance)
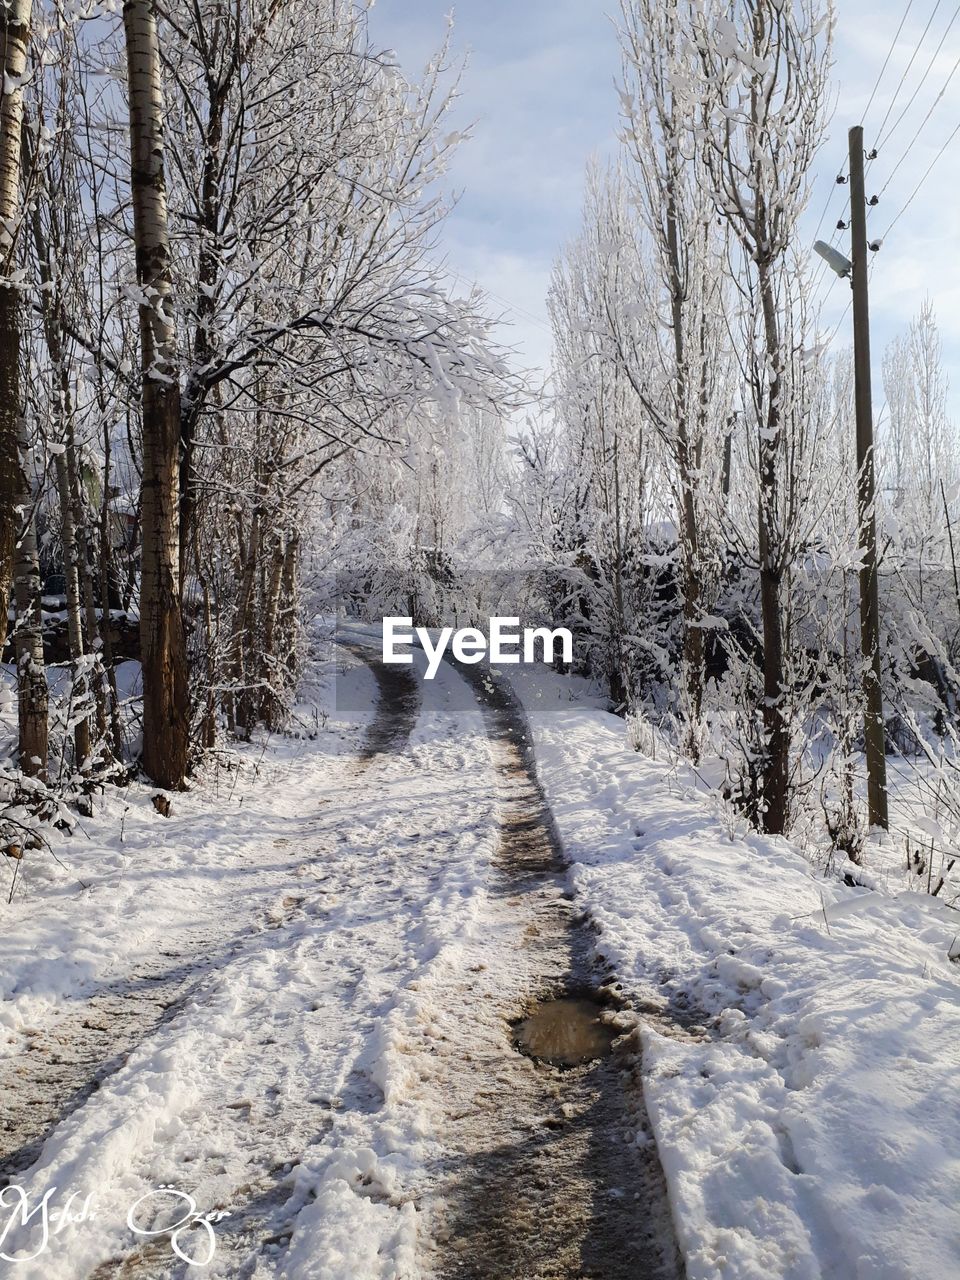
(834, 259)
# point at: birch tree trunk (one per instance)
(61, 415)
(32, 695)
(14, 38)
(686, 469)
(163, 651)
(68, 538)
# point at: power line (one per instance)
(826, 297)
(913, 56)
(821, 272)
(893, 45)
(933, 107)
(512, 306)
(846, 310)
(833, 192)
(831, 337)
(926, 175)
(822, 268)
(923, 79)
(841, 179)
(884, 135)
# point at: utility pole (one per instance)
(873, 730)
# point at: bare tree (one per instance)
(682, 386)
(611, 463)
(163, 653)
(315, 323)
(761, 106)
(51, 225)
(277, 181)
(15, 18)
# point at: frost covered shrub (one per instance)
(644, 737)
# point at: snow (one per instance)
(307, 917)
(283, 1086)
(803, 1037)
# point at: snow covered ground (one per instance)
(276, 1087)
(803, 1041)
(279, 964)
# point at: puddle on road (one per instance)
(565, 1032)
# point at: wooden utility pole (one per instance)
(873, 730)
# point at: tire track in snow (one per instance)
(66, 1062)
(553, 1173)
(398, 705)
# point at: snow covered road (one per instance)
(296, 1002)
(332, 950)
(549, 1172)
(318, 900)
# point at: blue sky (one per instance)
(539, 86)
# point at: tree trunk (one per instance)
(771, 540)
(97, 624)
(243, 712)
(32, 696)
(14, 37)
(61, 415)
(689, 531)
(104, 569)
(208, 728)
(776, 763)
(163, 651)
(271, 678)
(289, 613)
(208, 271)
(68, 537)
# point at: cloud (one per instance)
(540, 86)
(539, 90)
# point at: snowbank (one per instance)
(803, 1047)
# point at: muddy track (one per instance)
(398, 704)
(65, 1063)
(555, 1175)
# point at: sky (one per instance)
(539, 92)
